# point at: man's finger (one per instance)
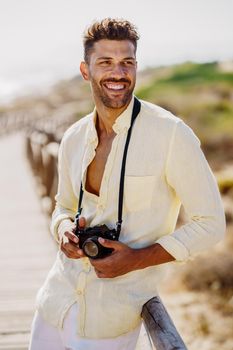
(108, 243)
(71, 236)
(82, 222)
(69, 247)
(71, 251)
(66, 252)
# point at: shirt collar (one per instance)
(122, 123)
(92, 133)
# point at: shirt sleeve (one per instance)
(189, 174)
(66, 201)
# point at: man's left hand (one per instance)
(121, 260)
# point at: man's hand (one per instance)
(125, 259)
(121, 260)
(70, 246)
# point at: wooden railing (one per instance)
(42, 153)
(160, 327)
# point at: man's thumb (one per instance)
(82, 222)
(108, 243)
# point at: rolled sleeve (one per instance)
(174, 247)
(65, 225)
(66, 201)
(189, 174)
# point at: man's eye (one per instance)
(105, 63)
(129, 63)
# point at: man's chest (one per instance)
(99, 164)
(96, 168)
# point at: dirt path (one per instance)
(26, 251)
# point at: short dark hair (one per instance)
(111, 29)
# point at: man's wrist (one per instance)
(151, 256)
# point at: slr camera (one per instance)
(88, 240)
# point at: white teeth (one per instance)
(115, 87)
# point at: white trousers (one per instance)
(46, 337)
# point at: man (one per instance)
(96, 303)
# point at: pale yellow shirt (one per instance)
(165, 167)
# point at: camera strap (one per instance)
(135, 112)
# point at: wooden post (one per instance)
(160, 327)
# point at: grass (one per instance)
(200, 93)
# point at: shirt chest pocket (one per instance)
(138, 192)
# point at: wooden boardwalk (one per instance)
(27, 251)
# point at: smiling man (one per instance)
(127, 166)
(111, 90)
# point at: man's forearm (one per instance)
(151, 256)
(125, 259)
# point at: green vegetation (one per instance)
(201, 94)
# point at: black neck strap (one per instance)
(135, 112)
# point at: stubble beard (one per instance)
(109, 102)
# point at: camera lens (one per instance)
(90, 248)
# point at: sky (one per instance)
(41, 40)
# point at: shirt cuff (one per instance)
(174, 247)
(55, 224)
(65, 225)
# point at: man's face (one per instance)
(112, 72)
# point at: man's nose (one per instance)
(118, 71)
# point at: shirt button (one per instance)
(79, 292)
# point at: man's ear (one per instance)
(84, 70)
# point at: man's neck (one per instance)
(106, 117)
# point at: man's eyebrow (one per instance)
(104, 58)
(129, 58)
(110, 58)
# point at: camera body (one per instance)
(88, 240)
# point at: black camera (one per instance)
(88, 240)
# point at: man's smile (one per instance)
(115, 86)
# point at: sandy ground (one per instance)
(202, 322)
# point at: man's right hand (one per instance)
(71, 248)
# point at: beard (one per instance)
(114, 102)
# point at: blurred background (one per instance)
(185, 58)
